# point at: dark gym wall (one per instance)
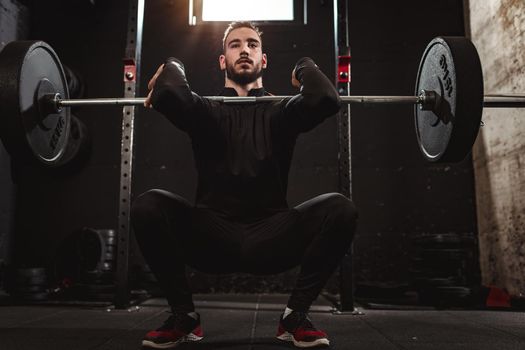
(88, 37)
(398, 194)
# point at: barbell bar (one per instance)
(231, 99)
(448, 101)
(424, 99)
(504, 101)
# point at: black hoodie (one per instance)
(243, 151)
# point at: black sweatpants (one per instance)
(172, 233)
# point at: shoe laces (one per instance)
(306, 324)
(175, 320)
(300, 320)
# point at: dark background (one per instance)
(398, 194)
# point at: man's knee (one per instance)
(342, 217)
(341, 208)
(154, 210)
(146, 205)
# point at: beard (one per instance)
(244, 77)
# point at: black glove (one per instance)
(301, 64)
(175, 61)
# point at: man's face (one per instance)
(243, 59)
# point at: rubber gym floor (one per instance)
(249, 322)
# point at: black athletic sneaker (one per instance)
(177, 329)
(298, 328)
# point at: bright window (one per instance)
(247, 10)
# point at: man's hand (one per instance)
(297, 72)
(295, 82)
(151, 84)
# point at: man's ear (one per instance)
(264, 60)
(222, 62)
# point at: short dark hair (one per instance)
(235, 25)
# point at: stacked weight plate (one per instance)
(102, 255)
(29, 284)
(86, 259)
(442, 267)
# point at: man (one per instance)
(241, 221)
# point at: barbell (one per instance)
(449, 100)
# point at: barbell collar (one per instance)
(49, 104)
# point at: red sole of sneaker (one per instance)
(189, 338)
(322, 342)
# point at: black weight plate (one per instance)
(42, 296)
(75, 82)
(29, 69)
(31, 272)
(450, 66)
(110, 251)
(457, 292)
(436, 282)
(445, 256)
(106, 266)
(91, 249)
(98, 277)
(436, 271)
(31, 281)
(30, 276)
(438, 240)
(111, 241)
(107, 234)
(30, 289)
(78, 147)
(109, 257)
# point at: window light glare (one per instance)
(247, 10)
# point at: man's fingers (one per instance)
(152, 81)
(147, 102)
(294, 80)
(151, 84)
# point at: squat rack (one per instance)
(342, 82)
(131, 78)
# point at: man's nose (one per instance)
(245, 49)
